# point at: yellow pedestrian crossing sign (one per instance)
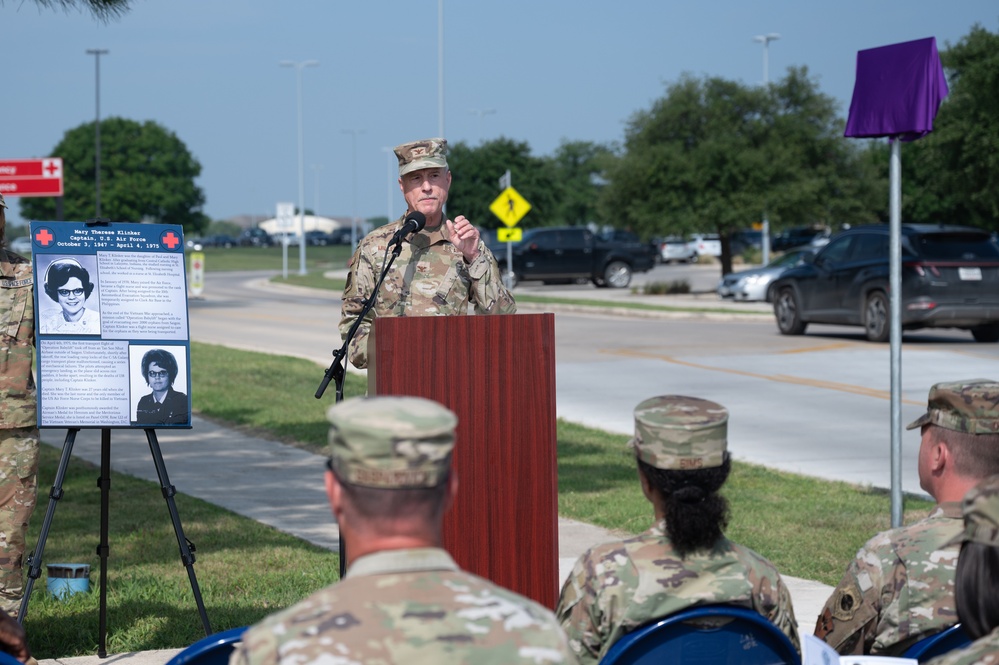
(510, 207)
(509, 235)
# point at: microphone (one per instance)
(414, 223)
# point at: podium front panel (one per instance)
(497, 373)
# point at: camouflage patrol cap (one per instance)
(391, 442)
(679, 432)
(981, 514)
(425, 154)
(963, 406)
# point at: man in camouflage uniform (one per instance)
(981, 528)
(617, 587)
(900, 586)
(403, 599)
(440, 271)
(18, 432)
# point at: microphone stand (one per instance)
(335, 370)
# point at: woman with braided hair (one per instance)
(681, 449)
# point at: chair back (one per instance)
(938, 644)
(212, 650)
(706, 635)
(7, 659)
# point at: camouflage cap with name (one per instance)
(679, 432)
(425, 154)
(963, 406)
(981, 514)
(391, 442)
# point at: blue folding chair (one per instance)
(212, 650)
(7, 659)
(938, 644)
(706, 635)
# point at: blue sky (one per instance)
(552, 70)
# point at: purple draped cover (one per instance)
(898, 91)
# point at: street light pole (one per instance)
(299, 66)
(765, 40)
(316, 168)
(390, 153)
(440, 68)
(97, 53)
(353, 213)
(482, 113)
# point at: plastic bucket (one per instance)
(66, 579)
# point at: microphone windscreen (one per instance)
(417, 218)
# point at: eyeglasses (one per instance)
(153, 374)
(70, 292)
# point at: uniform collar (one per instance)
(402, 561)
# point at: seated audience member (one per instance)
(976, 580)
(684, 560)
(900, 586)
(403, 599)
(12, 639)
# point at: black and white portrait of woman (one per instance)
(68, 285)
(163, 405)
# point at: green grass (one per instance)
(317, 259)
(245, 570)
(808, 528)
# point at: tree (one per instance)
(476, 172)
(101, 9)
(580, 169)
(713, 155)
(147, 174)
(952, 175)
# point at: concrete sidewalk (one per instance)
(280, 486)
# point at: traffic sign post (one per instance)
(31, 177)
(510, 207)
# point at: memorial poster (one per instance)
(112, 327)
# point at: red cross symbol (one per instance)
(171, 240)
(51, 168)
(44, 237)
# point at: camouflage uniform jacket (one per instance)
(17, 318)
(983, 651)
(617, 587)
(407, 606)
(898, 589)
(429, 278)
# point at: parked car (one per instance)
(705, 244)
(317, 238)
(950, 279)
(675, 248)
(576, 253)
(220, 240)
(755, 283)
(255, 237)
(21, 245)
(800, 236)
(740, 241)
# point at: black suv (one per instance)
(950, 279)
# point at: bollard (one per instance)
(66, 579)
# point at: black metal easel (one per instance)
(34, 561)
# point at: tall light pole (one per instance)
(390, 154)
(482, 113)
(765, 40)
(353, 214)
(440, 68)
(316, 168)
(299, 66)
(97, 53)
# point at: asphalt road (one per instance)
(817, 404)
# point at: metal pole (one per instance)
(765, 40)
(389, 154)
(353, 213)
(299, 66)
(316, 168)
(895, 329)
(440, 68)
(97, 53)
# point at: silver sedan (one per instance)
(755, 284)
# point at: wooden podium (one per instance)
(497, 373)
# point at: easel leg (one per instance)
(104, 483)
(34, 562)
(186, 548)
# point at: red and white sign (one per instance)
(31, 177)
